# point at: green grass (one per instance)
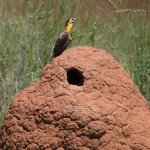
(27, 39)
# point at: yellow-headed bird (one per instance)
(64, 38)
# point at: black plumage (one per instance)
(61, 44)
(64, 38)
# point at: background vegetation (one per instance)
(29, 28)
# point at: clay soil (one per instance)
(84, 100)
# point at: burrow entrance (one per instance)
(75, 77)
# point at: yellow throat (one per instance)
(69, 27)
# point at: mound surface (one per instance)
(84, 100)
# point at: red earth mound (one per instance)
(84, 100)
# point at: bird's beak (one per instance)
(75, 19)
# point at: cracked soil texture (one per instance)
(84, 100)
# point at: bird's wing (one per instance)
(59, 45)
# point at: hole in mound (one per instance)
(75, 77)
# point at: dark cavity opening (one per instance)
(75, 77)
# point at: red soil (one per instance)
(95, 106)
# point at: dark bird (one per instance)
(64, 38)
